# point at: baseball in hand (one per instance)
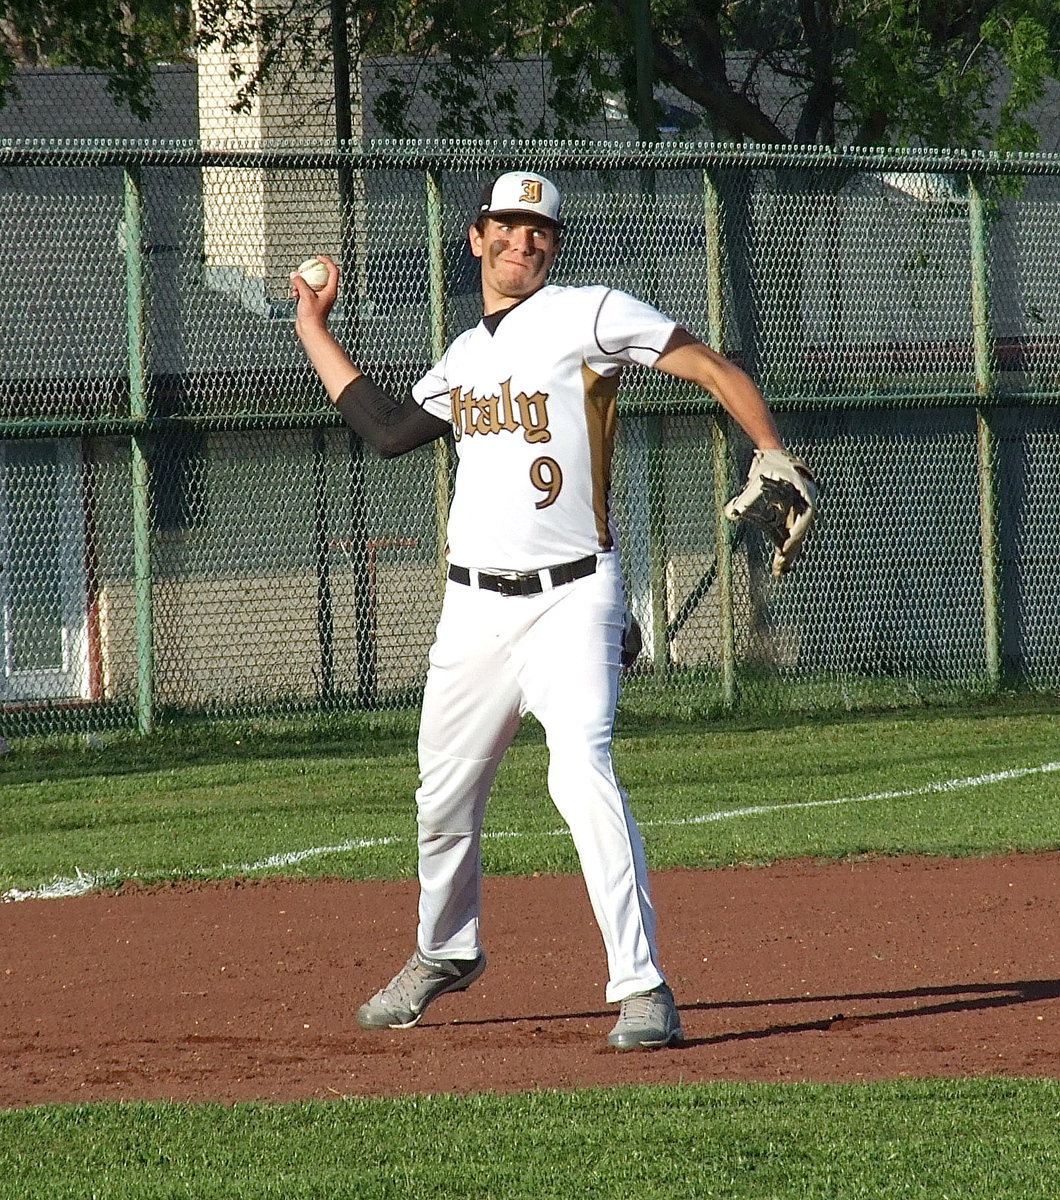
(314, 272)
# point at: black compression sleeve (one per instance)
(388, 426)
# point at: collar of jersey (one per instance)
(493, 319)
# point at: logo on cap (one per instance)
(522, 192)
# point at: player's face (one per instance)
(517, 254)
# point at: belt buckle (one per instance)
(517, 585)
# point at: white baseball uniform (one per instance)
(532, 406)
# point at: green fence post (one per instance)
(655, 423)
(645, 69)
(655, 429)
(439, 339)
(136, 334)
(719, 430)
(322, 554)
(985, 444)
(655, 456)
(360, 552)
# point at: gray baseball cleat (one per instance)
(647, 1021)
(401, 1003)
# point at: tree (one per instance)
(835, 72)
(122, 40)
(832, 72)
(869, 72)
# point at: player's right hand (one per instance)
(314, 308)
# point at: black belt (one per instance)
(528, 583)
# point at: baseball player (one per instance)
(534, 617)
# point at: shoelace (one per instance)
(405, 983)
(639, 1007)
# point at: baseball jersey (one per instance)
(533, 412)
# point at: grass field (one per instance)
(907, 1141)
(336, 800)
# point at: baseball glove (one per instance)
(780, 499)
(632, 641)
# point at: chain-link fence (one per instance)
(186, 527)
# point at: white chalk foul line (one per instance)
(87, 881)
(945, 785)
(296, 856)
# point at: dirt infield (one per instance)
(857, 971)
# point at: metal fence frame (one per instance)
(433, 161)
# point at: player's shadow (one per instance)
(948, 998)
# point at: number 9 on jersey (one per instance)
(546, 476)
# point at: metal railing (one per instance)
(151, 374)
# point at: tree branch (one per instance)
(817, 119)
(734, 113)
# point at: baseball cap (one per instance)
(522, 192)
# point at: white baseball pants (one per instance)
(495, 658)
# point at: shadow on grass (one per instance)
(206, 744)
(373, 735)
